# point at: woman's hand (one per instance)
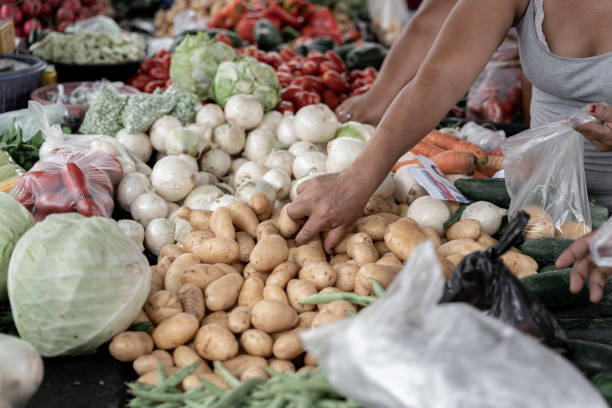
(600, 135)
(362, 109)
(330, 202)
(579, 255)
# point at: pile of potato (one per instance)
(231, 290)
(164, 19)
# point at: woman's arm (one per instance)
(473, 31)
(402, 62)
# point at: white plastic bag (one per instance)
(544, 167)
(406, 350)
(388, 18)
(481, 136)
(188, 20)
(601, 245)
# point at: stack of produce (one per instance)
(30, 15)
(164, 19)
(153, 73)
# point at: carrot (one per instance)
(496, 152)
(455, 162)
(450, 142)
(478, 174)
(494, 164)
(426, 149)
(405, 163)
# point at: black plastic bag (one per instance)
(483, 281)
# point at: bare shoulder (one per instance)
(488, 6)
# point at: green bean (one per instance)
(226, 375)
(321, 298)
(233, 397)
(379, 291)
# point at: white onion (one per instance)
(137, 143)
(285, 132)
(280, 180)
(160, 130)
(279, 159)
(259, 143)
(316, 123)
(300, 147)
(201, 197)
(244, 111)
(246, 190)
(210, 115)
(230, 138)
(159, 232)
(147, 207)
(216, 161)
(173, 178)
(307, 162)
(131, 186)
(248, 171)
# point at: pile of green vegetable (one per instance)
(90, 48)
(24, 154)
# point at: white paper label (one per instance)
(431, 178)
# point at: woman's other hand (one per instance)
(362, 109)
(600, 135)
(579, 255)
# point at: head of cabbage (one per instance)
(75, 282)
(247, 76)
(195, 61)
(15, 220)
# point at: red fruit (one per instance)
(74, 181)
(306, 98)
(31, 7)
(89, 208)
(284, 78)
(336, 60)
(287, 54)
(45, 9)
(275, 59)
(289, 93)
(361, 90)
(358, 83)
(330, 99)
(223, 38)
(54, 202)
(62, 26)
(334, 81)
(19, 32)
(65, 14)
(13, 12)
(54, 3)
(159, 73)
(285, 106)
(153, 85)
(74, 5)
(31, 25)
(310, 67)
(316, 56)
(88, 2)
(284, 68)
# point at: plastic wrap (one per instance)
(601, 246)
(544, 173)
(481, 136)
(24, 119)
(497, 94)
(388, 18)
(405, 350)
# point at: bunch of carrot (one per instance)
(453, 155)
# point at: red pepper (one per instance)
(289, 93)
(284, 78)
(39, 181)
(74, 181)
(140, 81)
(334, 81)
(89, 208)
(165, 61)
(273, 9)
(245, 28)
(229, 15)
(153, 85)
(54, 202)
(159, 73)
(323, 24)
(312, 83)
(162, 53)
(336, 60)
(220, 37)
(330, 99)
(305, 98)
(285, 106)
(310, 67)
(305, 10)
(147, 65)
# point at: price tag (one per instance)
(431, 178)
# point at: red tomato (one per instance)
(89, 208)
(330, 99)
(163, 53)
(370, 72)
(140, 81)
(74, 181)
(287, 54)
(285, 106)
(159, 73)
(356, 74)
(334, 81)
(335, 59)
(305, 98)
(316, 56)
(220, 37)
(329, 66)
(297, 73)
(275, 59)
(283, 68)
(361, 90)
(148, 65)
(310, 67)
(54, 202)
(165, 61)
(153, 85)
(289, 93)
(313, 84)
(358, 83)
(299, 82)
(294, 65)
(261, 56)
(284, 78)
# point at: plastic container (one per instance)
(40, 96)
(16, 86)
(95, 72)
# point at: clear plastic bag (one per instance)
(544, 173)
(406, 350)
(497, 93)
(188, 20)
(601, 246)
(481, 136)
(388, 18)
(23, 118)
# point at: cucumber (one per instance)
(599, 310)
(599, 213)
(491, 190)
(366, 55)
(590, 357)
(597, 330)
(267, 35)
(603, 383)
(456, 217)
(545, 251)
(553, 289)
(548, 268)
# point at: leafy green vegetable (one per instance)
(247, 76)
(25, 154)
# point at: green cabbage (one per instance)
(247, 76)
(15, 220)
(355, 130)
(75, 282)
(195, 62)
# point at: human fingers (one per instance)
(334, 236)
(579, 273)
(573, 253)
(299, 209)
(601, 111)
(597, 283)
(312, 227)
(600, 135)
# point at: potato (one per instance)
(249, 271)
(381, 247)
(256, 342)
(273, 292)
(272, 316)
(297, 290)
(218, 250)
(225, 268)
(403, 236)
(128, 346)
(238, 267)
(223, 293)
(433, 236)
(306, 319)
(309, 360)
(339, 259)
(147, 363)
(269, 252)
(287, 227)
(359, 289)
(362, 249)
(245, 246)
(254, 372)
(376, 205)
(243, 217)
(375, 226)
(152, 378)
(162, 305)
(195, 239)
(267, 228)
(487, 240)
(455, 259)
(468, 229)
(403, 210)
(201, 275)
(309, 253)
(328, 315)
(157, 282)
(163, 264)
(462, 247)
(384, 274)
(281, 365)
(519, 264)
(239, 319)
(261, 206)
(251, 292)
(170, 251)
(342, 246)
(175, 331)
(221, 318)
(214, 342)
(540, 223)
(346, 273)
(173, 280)
(199, 219)
(184, 356)
(163, 356)
(194, 381)
(321, 274)
(282, 274)
(289, 345)
(447, 267)
(221, 223)
(572, 230)
(389, 259)
(239, 364)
